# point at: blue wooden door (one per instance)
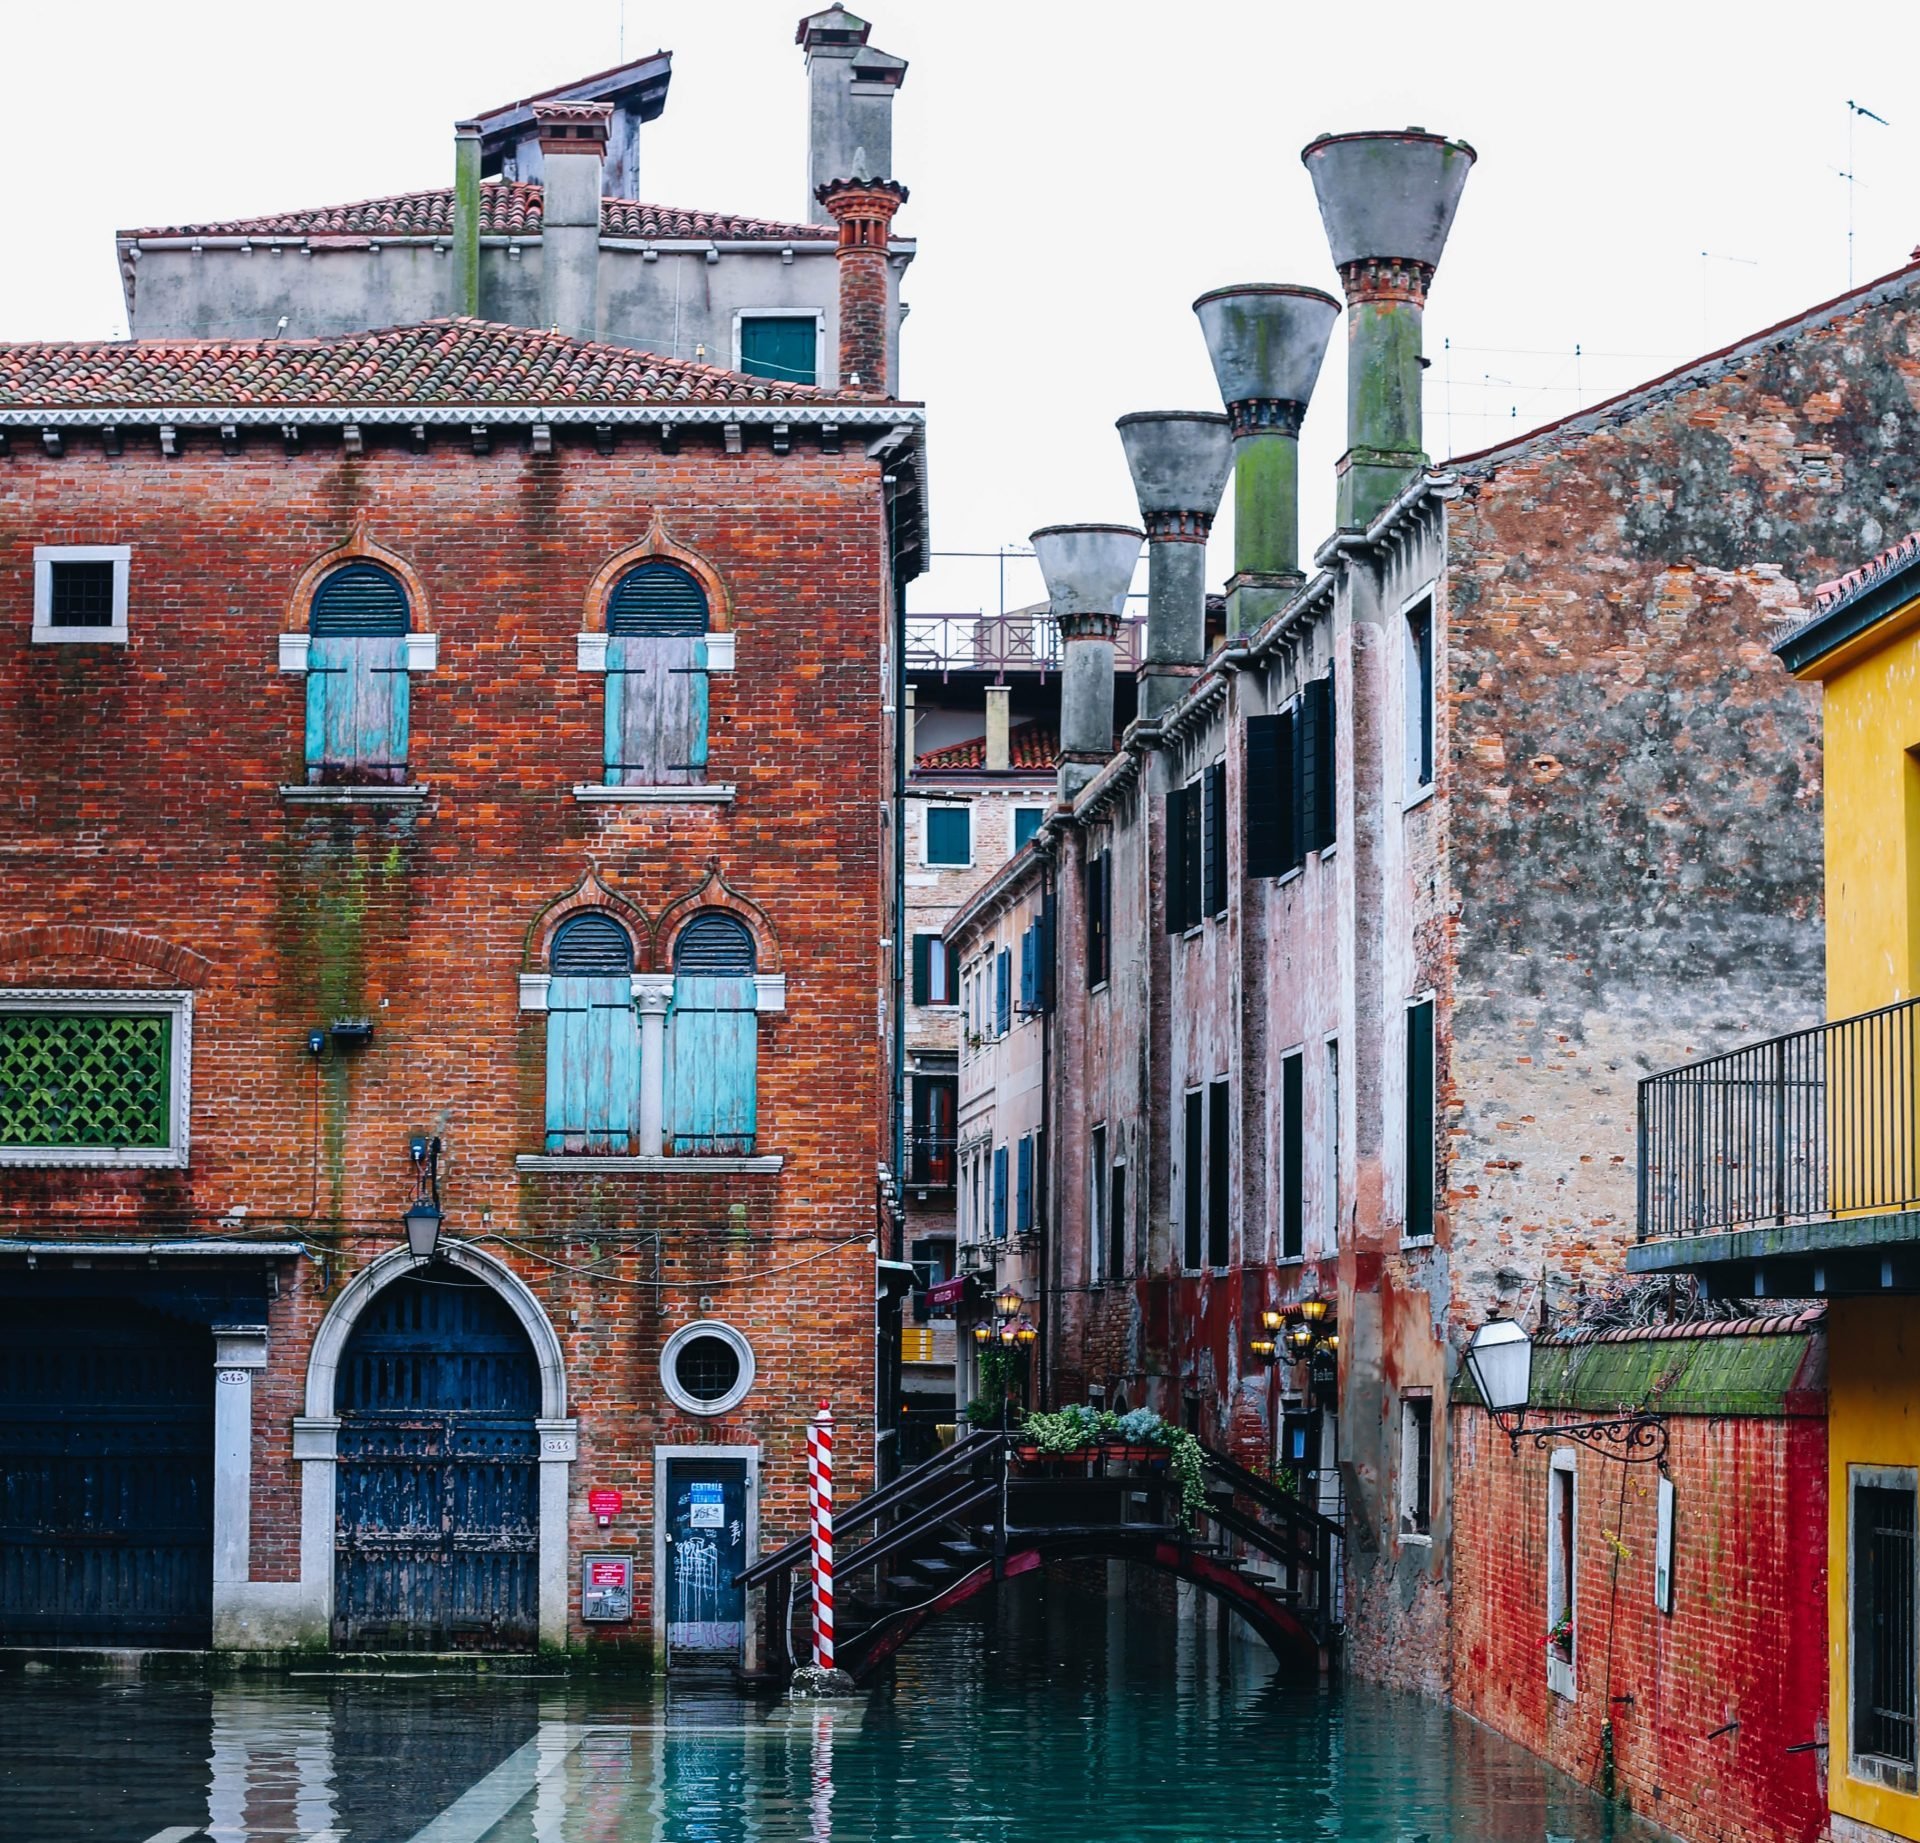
(713, 1058)
(706, 1546)
(106, 1476)
(656, 721)
(436, 1540)
(593, 1064)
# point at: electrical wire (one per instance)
(609, 1279)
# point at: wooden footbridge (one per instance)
(981, 1512)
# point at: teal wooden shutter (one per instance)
(626, 668)
(657, 710)
(922, 967)
(779, 347)
(1000, 1193)
(712, 1075)
(1023, 1188)
(357, 693)
(593, 1065)
(1002, 991)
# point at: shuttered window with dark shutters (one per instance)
(1000, 1193)
(1023, 1188)
(1313, 756)
(1214, 897)
(1176, 885)
(1192, 1176)
(657, 691)
(1093, 885)
(357, 693)
(1219, 1173)
(1270, 830)
(1193, 856)
(593, 1044)
(1293, 1158)
(1420, 1136)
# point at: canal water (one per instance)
(1053, 1717)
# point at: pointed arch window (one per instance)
(713, 1046)
(657, 670)
(593, 1040)
(356, 666)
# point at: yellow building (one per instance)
(1791, 1168)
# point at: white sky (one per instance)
(1080, 170)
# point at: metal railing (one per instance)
(1803, 1127)
(1021, 640)
(930, 1161)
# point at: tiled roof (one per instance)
(1890, 562)
(1034, 747)
(508, 208)
(1764, 1324)
(457, 361)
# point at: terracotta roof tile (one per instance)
(1767, 1324)
(1034, 747)
(507, 208)
(1896, 557)
(457, 361)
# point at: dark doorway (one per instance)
(436, 1543)
(106, 1476)
(706, 1545)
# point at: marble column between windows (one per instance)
(239, 1350)
(652, 994)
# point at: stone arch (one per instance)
(82, 941)
(330, 1342)
(713, 891)
(588, 893)
(358, 546)
(657, 546)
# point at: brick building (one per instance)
(443, 770)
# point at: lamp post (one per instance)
(1500, 1361)
(1012, 1330)
(423, 1213)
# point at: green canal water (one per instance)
(1054, 1716)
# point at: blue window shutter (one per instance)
(923, 967)
(1023, 1188)
(1000, 1193)
(1029, 970)
(620, 670)
(783, 348)
(657, 710)
(357, 706)
(1002, 993)
(712, 1073)
(593, 1065)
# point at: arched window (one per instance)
(593, 1043)
(656, 727)
(357, 676)
(713, 1048)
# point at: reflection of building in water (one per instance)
(271, 1770)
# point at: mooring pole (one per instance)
(820, 1510)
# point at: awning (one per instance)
(948, 1292)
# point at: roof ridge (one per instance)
(1760, 1324)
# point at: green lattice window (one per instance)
(86, 1078)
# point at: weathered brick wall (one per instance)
(142, 798)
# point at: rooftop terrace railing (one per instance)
(1804, 1127)
(1018, 641)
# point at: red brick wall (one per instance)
(141, 795)
(1745, 1643)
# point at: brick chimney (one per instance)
(573, 147)
(864, 208)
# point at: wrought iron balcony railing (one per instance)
(1805, 1127)
(930, 1161)
(1018, 641)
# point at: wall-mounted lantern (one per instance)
(1500, 1361)
(423, 1214)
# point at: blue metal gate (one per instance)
(436, 1544)
(106, 1476)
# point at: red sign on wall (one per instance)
(604, 1503)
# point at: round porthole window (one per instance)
(707, 1368)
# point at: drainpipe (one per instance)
(1387, 201)
(1179, 461)
(466, 218)
(1088, 570)
(1266, 341)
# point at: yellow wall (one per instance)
(1873, 1418)
(1871, 719)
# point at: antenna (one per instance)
(1854, 112)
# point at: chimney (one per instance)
(466, 218)
(573, 145)
(1266, 341)
(1387, 200)
(1088, 569)
(863, 208)
(1179, 460)
(999, 751)
(850, 89)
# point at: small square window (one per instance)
(1026, 822)
(80, 593)
(949, 835)
(780, 346)
(1416, 1465)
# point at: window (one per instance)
(1117, 1224)
(713, 1038)
(932, 971)
(357, 697)
(1416, 1464)
(783, 346)
(94, 1078)
(1003, 991)
(593, 1040)
(1098, 887)
(1330, 1182)
(707, 1368)
(1191, 1190)
(1185, 853)
(935, 1099)
(1419, 691)
(1023, 1186)
(1219, 1172)
(1213, 880)
(1029, 969)
(1313, 765)
(80, 593)
(1026, 822)
(1097, 1203)
(657, 666)
(1293, 1159)
(1420, 1134)
(999, 1193)
(1562, 1501)
(1273, 818)
(949, 838)
(1882, 1601)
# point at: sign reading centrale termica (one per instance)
(606, 1588)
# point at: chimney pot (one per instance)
(851, 85)
(1088, 571)
(864, 208)
(573, 142)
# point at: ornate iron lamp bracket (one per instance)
(1633, 1439)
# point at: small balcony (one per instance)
(931, 1161)
(1791, 1167)
(1021, 640)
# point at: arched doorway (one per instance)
(437, 1532)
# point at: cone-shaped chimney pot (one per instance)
(1088, 570)
(1267, 341)
(1387, 200)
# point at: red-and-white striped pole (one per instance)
(820, 1510)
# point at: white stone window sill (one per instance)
(79, 636)
(1411, 1539)
(1290, 876)
(703, 793)
(1419, 799)
(372, 794)
(93, 1158)
(690, 1166)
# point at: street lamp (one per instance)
(1313, 1310)
(1500, 1361)
(1300, 1338)
(423, 1214)
(1007, 1302)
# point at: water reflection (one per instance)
(1054, 1716)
